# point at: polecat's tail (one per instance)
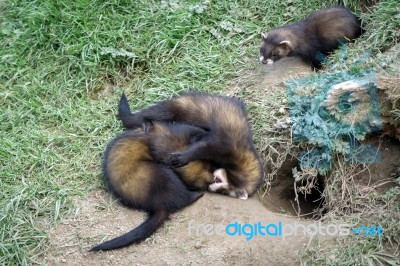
(125, 115)
(153, 222)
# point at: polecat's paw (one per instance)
(177, 160)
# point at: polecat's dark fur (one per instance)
(229, 143)
(312, 38)
(167, 139)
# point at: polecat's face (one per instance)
(222, 185)
(267, 54)
(271, 51)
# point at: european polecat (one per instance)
(135, 173)
(312, 38)
(229, 143)
(139, 182)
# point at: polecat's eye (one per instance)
(262, 50)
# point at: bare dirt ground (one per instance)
(173, 244)
(99, 217)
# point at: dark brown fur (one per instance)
(228, 144)
(168, 139)
(312, 38)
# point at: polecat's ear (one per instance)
(285, 45)
(264, 36)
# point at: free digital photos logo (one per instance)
(279, 229)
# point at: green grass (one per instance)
(384, 19)
(64, 66)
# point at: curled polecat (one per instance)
(312, 38)
(228, 144)
(139, 182)
(135, 174)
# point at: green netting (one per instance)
(332, 113)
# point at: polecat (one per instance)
(311, 38)
(135, 173)
(229, 143)
(139, 182)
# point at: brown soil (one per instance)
(381, 174)
(99, 218)
(284, 69)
